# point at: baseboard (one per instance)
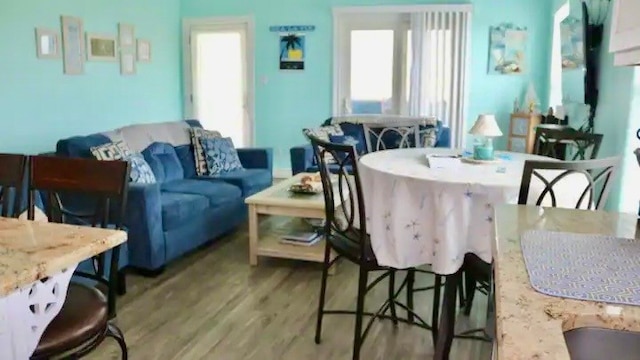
(281, 173)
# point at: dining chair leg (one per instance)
(411, 279)
(362, 292)
(115, 332)
(323, 291)
(392, 300)
(435, 311)
(470, 287)
(447, 317)
(461, 293)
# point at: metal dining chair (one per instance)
(85, 319)
(12, 172)
(345, 234)
(590, 181)
(555, 140)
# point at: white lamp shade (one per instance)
(486, 125)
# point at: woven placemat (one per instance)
(584, 267)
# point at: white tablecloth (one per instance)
(418, 215)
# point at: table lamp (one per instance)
(484, 130)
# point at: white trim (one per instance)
(339, 10)
(189, 24)
(281, 173)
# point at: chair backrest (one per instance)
(404, 132)
(568, 184)
(12, 167)
(102, 184)
(554, 140)
(344, 204)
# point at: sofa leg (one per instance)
(122, 283)
(151, 273)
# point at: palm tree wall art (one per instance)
(292, 51)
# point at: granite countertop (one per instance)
(530, 325)
(30, 251)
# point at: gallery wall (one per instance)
(39, 104)
(287, 102)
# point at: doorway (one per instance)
(219, 84)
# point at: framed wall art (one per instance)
(101, 47)
(47, 44)
(144, 50)
(73, 45)
(507, 49)
(127, 63)
(126, 35)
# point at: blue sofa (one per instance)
(302, 159)
(181, 211)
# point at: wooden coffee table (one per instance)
(277, 200)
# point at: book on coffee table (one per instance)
(301, 238)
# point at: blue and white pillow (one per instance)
(141, 172)
(221, 155)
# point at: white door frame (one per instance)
(189, 24)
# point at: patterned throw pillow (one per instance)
(141, 172)
(323, 133)
(117, 150)
(198, 151)
(221, 155)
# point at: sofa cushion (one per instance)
(333, 168)
(354, 134)
(179, 208)
(221, 155)
(164, 162)
(199, 155)
(217, 192)
(250, 181)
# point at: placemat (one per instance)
(584, 267)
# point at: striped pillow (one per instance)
(198, 151)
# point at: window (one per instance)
(403, 60)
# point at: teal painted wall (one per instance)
(291, 101)
(618, 118)
(39, 105)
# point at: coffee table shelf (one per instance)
(287, 211)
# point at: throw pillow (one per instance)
(221, 155)
(117, 150)
(141, 172)
(198, 151)
(323, 133)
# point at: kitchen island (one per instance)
(530, 325)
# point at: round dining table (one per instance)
(421, 214)
(430, 206)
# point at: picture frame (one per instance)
(73, 45)
(126, 36)
(127, 63)
(101, 47)
(47, 44)
(144, 50)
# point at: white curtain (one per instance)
(439, 76)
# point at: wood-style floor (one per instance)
(212, 305)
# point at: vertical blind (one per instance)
(439, 42)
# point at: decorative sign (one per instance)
(292, 28)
